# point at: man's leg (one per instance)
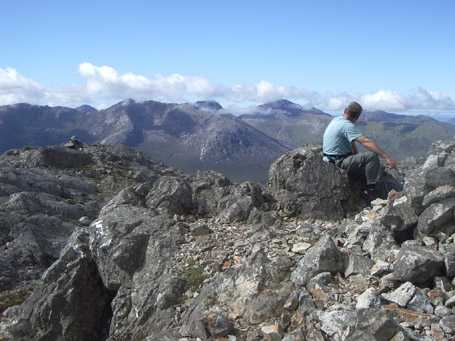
(363, 164)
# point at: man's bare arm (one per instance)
(373, 146)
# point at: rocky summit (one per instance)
(101, 243)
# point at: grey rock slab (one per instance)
(380, 268)
(335, 323)
(449, 261)
(436, 216)
(368, 299)
(431, 162)
(415, 190)
(439, 176)
(358, 264)
(71, 301)
(128, 254)
(417, 264)
(400, 215)
(402, 295)
(171, 194)
(239, 210)
(438, 194)
(380, 243)
(374, 324)
(300, 248)
(447, 324)
(324, 256)
(442, 311)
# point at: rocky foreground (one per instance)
(103, 244)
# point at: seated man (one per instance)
(339, 147)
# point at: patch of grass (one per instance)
(13, 297)
(194, 275)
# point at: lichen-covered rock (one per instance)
(304, 185)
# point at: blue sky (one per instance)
(398, 55)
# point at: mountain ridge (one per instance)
(204, 135)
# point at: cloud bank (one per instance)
(104, 85)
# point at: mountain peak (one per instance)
(281, 104)
(86, 109)
(208, 105)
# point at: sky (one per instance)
(389, 55)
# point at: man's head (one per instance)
(353, 111)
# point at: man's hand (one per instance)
(391, 163)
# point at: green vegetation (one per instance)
(13, 297)
(194, 275)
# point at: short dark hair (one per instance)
(353, 110)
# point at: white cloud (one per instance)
(104, 85)
(384, 100)
(17, 88)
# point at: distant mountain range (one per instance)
(400, 135)
(189, 136)
(201, 135)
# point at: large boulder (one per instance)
(71, 303)
(305, 185)
(171, 194)
(400, 215)
(208, 189)
(418, 265)
(435, 217)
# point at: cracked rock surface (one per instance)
(169, 256)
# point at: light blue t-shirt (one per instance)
(338, 136)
